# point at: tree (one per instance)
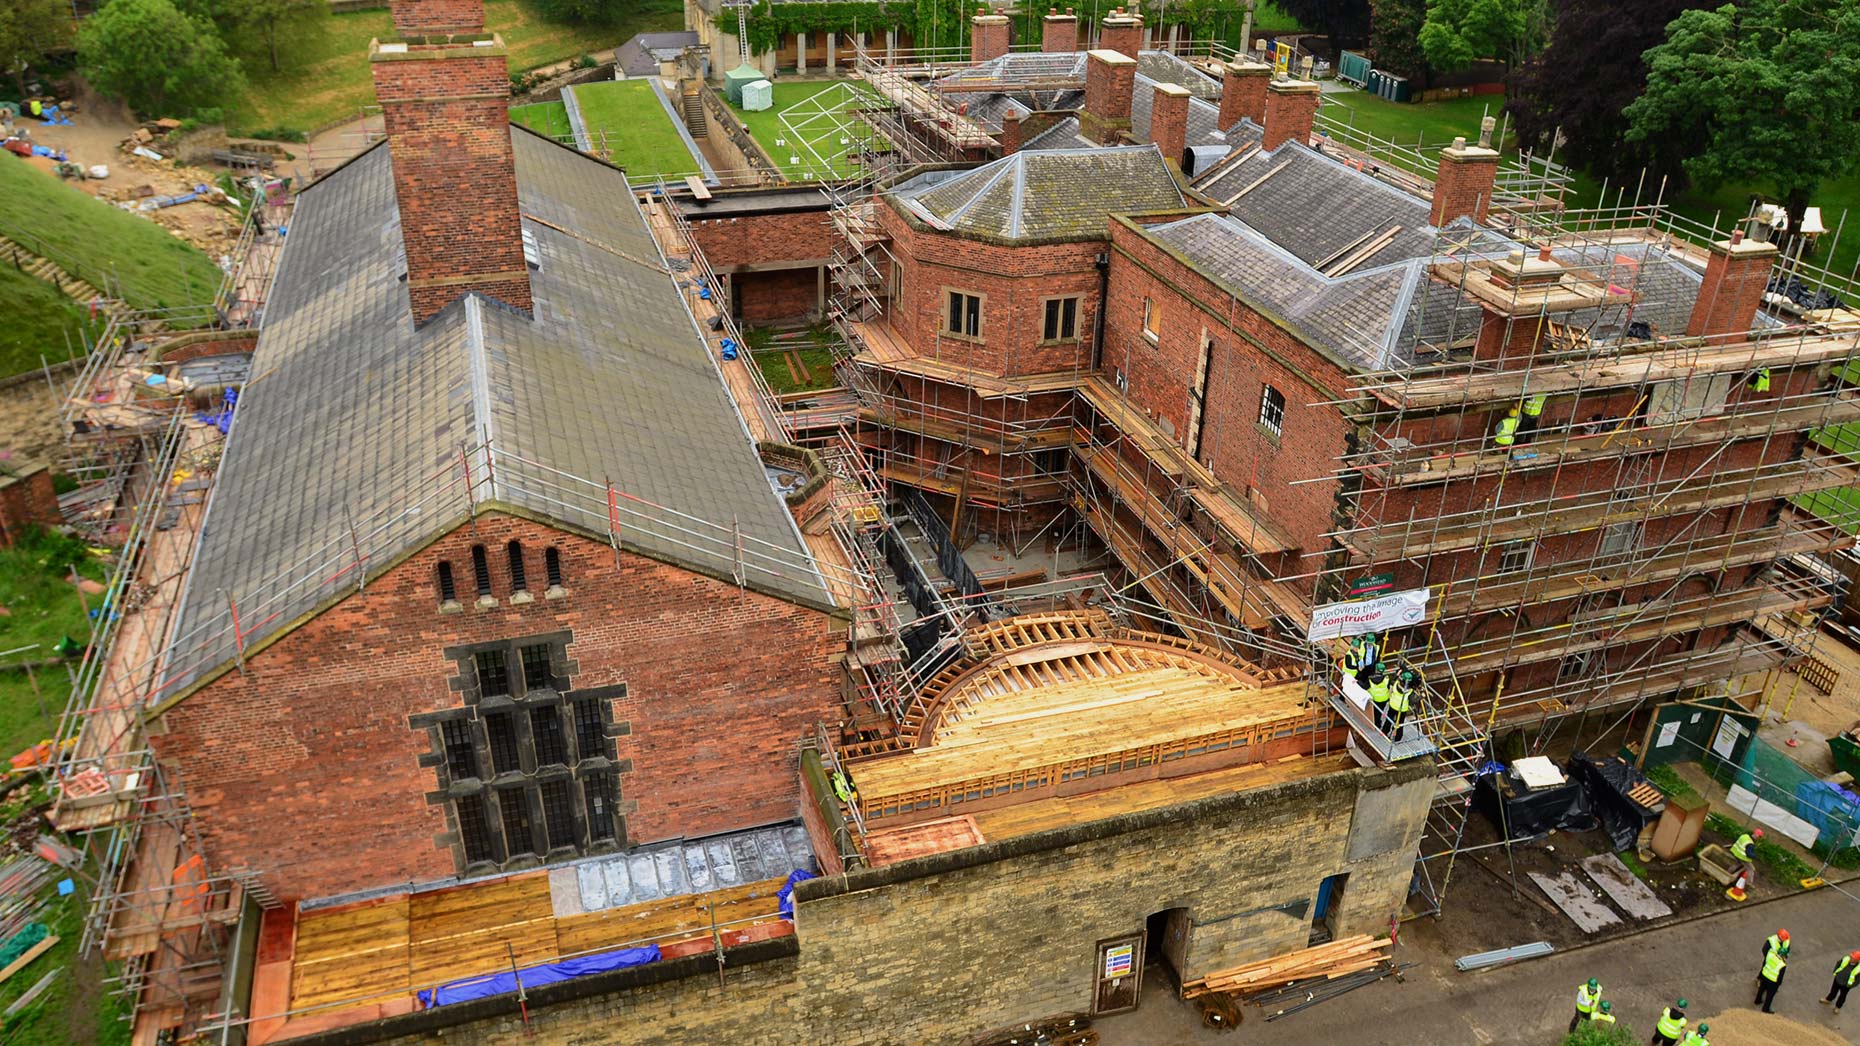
(29, 31)
(1768, 91)
(269, 20)
(157, 59)
(1578, 86)
(1457, 33)
(1394, 38)
(1344, 23)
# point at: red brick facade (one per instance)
(1735, 277)
(307, 769)
(448, 125)
(1014, 283)
(427, 17)
(1059, 32)
(764, 239)
(1243, 92)
(27, 500)
(776, 295)
(1121, 32)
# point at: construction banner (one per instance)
(1395, 610)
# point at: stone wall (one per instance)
(932, 949)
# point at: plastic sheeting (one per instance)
(1531, 812)
(786, 893)
(1608, 780)
(469, 988)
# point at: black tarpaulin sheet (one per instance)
(1528, 812)
(1608, 780)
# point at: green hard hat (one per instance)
(1593, 983)
(1607, 1007)
(1703, 1028)
(1681, 1004)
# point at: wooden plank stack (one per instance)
(1330, 961)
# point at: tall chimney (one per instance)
(989, 36)
(1110, 78)
(1010, 137)
(444, 90)
(1122, 32)
(1059, 32)
(1243, 92)
(1735, 276)
(1169, 121)
(1463, 185)
(1291, 106)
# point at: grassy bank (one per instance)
(550, 118)
(40, 320)
(326, 74)
(779, 142)
(42, 608)
(101, 244)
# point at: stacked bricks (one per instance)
(1169, 121)
(1122, 32)
(1059, 33)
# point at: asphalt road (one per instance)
(1712, 961)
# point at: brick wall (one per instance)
(1122, 33)
(1250, 351)
(446, 112)
(781, 294)
(1291, 107)
(1007, 932)
(421, 17)
(1243, 92)
(1169, 121)
(1463, 184)
(988, 37)
(27, 500)
(1110, 77)
(1014, 282)
(1059, 32)
(283, 761)
(1735, 278)
(763, 239)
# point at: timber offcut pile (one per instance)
(1326, 961)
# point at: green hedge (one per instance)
(948, 24)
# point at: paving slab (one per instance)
(1623, 887)
(1576, 901)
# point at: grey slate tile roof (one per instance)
(1038, 194)
(352, 414)
(1153, 67)
(1313, 206)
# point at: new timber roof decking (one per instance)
(1025, 718)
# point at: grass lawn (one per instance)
(39, 320)
(550, 118)
(43, 608)
(326, 73)
(794, 159)
(818, 360)
(639, 134)
(93, 240)
(74, 1010)
(1433, 124)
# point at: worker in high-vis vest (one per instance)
(1759, 380)
(1533, 412)
(1588, 999)
(1380, 687)
(1776, 942)
(1769, 978)
(1365, 651)
(1507, 432)
(1846, 972)
(1697, 1038)
(1671, 1025)
(1604, 1013)
(1741, 850)
(1401, 699)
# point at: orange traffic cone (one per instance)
(1736, 892)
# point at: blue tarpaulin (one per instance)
(222, 418)
(787, 892)
(484, 987)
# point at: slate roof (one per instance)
(1038, 194)
(640, 56)
(1153, 67)
(353, 414)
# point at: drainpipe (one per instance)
(1103, 264)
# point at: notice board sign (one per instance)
(1395, 610)
(1118, 960)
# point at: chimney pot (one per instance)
(1543, 253)
(1486, 126)
(1459, 142)
(1737, 237)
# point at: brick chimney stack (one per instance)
(989, 36)
(1291, 107)
(1463, 185)
(1243, 92)
(1059, 32)
(1735, 276)
(1010, 137)
(444, 90)
(1169, 121)
(1110, 79)
(1122, 32)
